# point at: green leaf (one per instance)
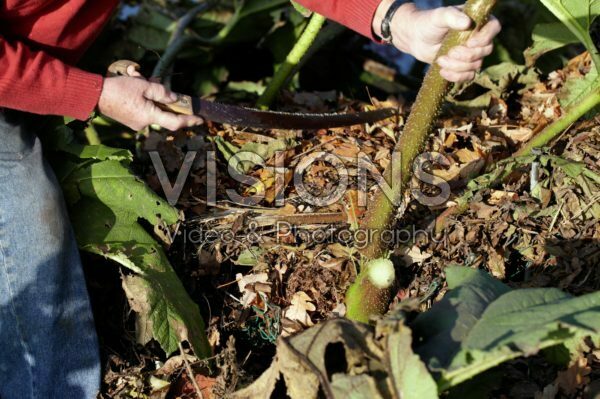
(151, 29)
(528, 316)
(165, 311)
(490, 324)
(301, 9)
(107, 203)
(409, 374)
(249, 256)
(148, 38)
(575, 90)
(98, 152)
(578, 16)
(548, 37)
(250, 154)
(114, 185)
(571, 168)
(441, 330)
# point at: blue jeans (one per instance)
(48, 343)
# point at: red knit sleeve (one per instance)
(36, 82)
(355, 14)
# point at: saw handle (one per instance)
(183, 105)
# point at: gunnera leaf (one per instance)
(481, 323)
(107, 202)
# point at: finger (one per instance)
(169, 120)
(450, 18)
(485, 36)
(457, 77)
(133, 72)
(172, 122)
(454, 65)
(427, 54)
(159, 93)
(470, 54)
(192, 120)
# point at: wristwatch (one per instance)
(386, 23)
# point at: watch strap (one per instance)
(386, 23)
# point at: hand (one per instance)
(421, 32)
(132, 102)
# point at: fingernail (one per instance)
(473, 43)
(173, 96)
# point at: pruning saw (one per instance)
(249, 117)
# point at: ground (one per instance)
(268, 270)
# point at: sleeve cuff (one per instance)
(82, 93)
(360, 17)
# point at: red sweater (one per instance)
(355, 14)
(41, 40)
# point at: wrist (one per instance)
(379, 15)
(400, 23)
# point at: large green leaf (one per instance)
(576, 90)
(578, 16)
(99, 152)
(119, 189)
(301, 9)
(107, 203)
(442, 329)
(548, 37)
(410, 377)
(490, 324)
(151, 29)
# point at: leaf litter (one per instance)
(275, 278)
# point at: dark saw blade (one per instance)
(248, 117)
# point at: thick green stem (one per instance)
(364, 299)
(570, 116)
(294, 57)
(370, 293)
(380, 214)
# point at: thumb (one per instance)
(451, 18)
(159, 93)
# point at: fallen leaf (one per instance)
(517, 134)
(412, 255)
(185, 389)
(298, 310)
(498, 197)
(574, 377)
(246, 286)
(496, 263)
